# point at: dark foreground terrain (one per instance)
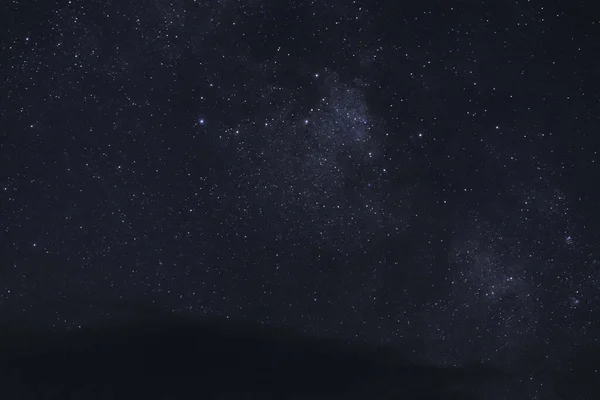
(182, 359)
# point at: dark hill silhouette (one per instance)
(177, 357)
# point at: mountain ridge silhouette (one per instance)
(174, 356)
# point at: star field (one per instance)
(416, 175)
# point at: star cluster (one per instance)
(420, 175)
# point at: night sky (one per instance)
(421, 175)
